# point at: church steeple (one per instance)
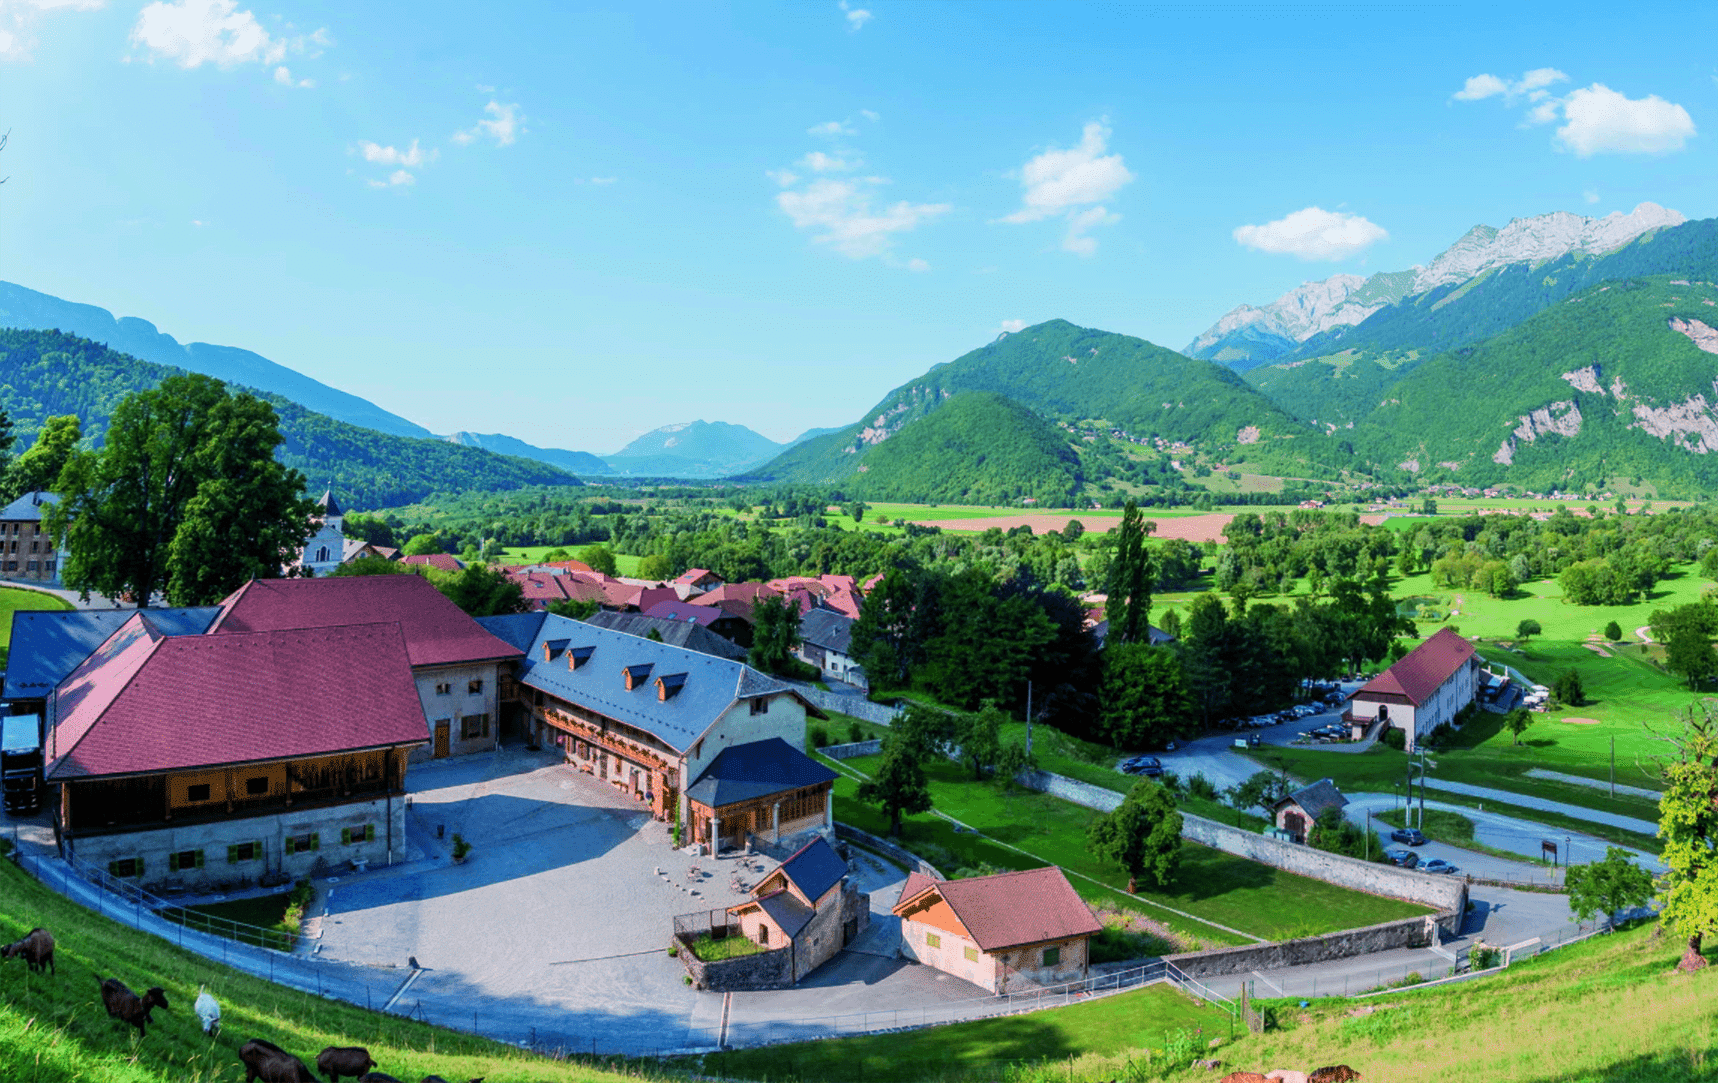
(332, 517)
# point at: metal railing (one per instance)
(115, 893)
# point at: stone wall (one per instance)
(1406, 933)
(900, 856)
(854, 706)
(852, 751)
(765, 970)
(1071, 789)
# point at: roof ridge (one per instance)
(155, 641)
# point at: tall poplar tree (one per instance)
(1130, 577)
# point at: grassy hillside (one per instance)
(54, 1029)
(43, 373)
(1076, 376)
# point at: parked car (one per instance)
(1142, 765)
(1409, 835)
(1251, 740)
(1405, 858)
(1439, 865)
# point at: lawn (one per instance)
(625, 564)
(13, 599)
(53, 1030)
(1213, 885)
(264, 919)
(1479, 614)
(984, 1049)
(711, 949)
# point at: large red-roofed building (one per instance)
(1004, 933)
(1426, 688)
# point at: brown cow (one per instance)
(1335, 1073)
(339, 1060)
(124, 1004)
(1244, 1077)
(1285, 1075)
(37, 948)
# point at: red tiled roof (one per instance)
(691, 576)
(144, 702)
(566, 565)
(1424, 669)
(844, 602)
(437, 632)
(1010, 908)
(447, 562)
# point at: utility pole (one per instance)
(1613, 766)
(1029, 722)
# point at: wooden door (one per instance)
(442, 726)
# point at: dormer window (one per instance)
(553, 649)
(636, 675)
(578, 656)
(667, 686)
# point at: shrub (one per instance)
(1395, 738)
(855, 733)
(819, 737)
(460, 847)
(1201, 787)
(1613, 632)
(1484, 957)
(1567, 689)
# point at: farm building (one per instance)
(1426, 688)
(1296, 812)
(807, 905)
(1003, 933)
(705, 740)
(198, 761)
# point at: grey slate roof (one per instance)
(29, 506)
(827, 629)
(788, 912)
(48, 644)
(712, 684)
(1154, 635)
(756, 769)
(676, 633)
(1316, 798)
(815, 868)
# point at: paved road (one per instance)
(1214, 755)
(1521, 800)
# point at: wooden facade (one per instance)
(773, 817)
(140, 802)
(627, 758)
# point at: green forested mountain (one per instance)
(1611, 385)
(43, 373)
(1075, 376)
(1339, 376)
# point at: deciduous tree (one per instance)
(482, 592)
(39, 467)
(1144, 701)
(1527, 629)
(600, 558)
(1143, 836)
(1605, 887)
(1688, 824)
(775, 633)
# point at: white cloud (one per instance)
(1062, 182)
(283, 76)
(505, 125)
(395, 179)
(1481, 86)
(412, 157)
(819, 162)
(198, 222)
(785, 178)
(918, 266)
(1011, 326)
(844, 215)
(1590, 196)
(1313, 234)
(18, 23)
(874, 118)
(1599, 120)
(830, 129)
(192, 32)
(604, 180)
(1532, 84)
(856, 17)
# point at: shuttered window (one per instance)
(303, 843)
(932, 940)
(185, 859)
(243, 851)
(1052, 956)
(350, 835)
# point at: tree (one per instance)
(1144, 700)
(421, 545)
(1143, 836)
(1567, 688)
(39, 468)
(1131, 574)
(599, 558)
(574, 608)
(1334, 833)
(899, 784)
(656, 566)
(1688, 824)
(1688, 651)
(775, 633)
(1428, 506)
(1517, 721)
(1604, 887)
(1527, 629)
(373, 565)
(1260, 790)
(1074, 531)
(482, 592)
(1614, 632)
(186, 495)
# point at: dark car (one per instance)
(1439, 865)
(1409, 835)
(1405, 858)
(1150, 766)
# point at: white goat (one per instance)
(209, 1011)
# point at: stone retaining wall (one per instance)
(903, 857)
(852, 751)
(765, 970)
(1417, 932)
(854, 706)
(1071, 789)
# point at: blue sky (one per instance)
(575, 223)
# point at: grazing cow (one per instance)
(1285, 1075)
(1244, 1077)
(124, 1004)
(208, 1009)
(272, 1064)
(339, 1060)
(37, 948)
(1335, 1073)
(377, 1077)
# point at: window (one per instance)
(31, 566)
(760, 706)
(125, 867)
(321, 553)
(1052, 956)
(972, 955)
(352, 835)
(11, 565)
(474, 686)
(185, 859)
(199, 792)
(473, 726)
(47, 566)
(932, 940)
(763, 934)
(256, 785)
(442, 688)
(243, 851)
(304, 843)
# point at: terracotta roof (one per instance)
(436, 631)
(145, 702)
(447, 562)
(1011, 908)
(1424, 669)
(704, 615)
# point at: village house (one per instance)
(457, 666)
(675, 633)
(1295, 813)
(1003, 933)
(702, 741)
(26, 551)
(826, 641)
(1425, 689)
(47, 645)
(215, 760)
(806, 905)
(699, 579)
(734, 629)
